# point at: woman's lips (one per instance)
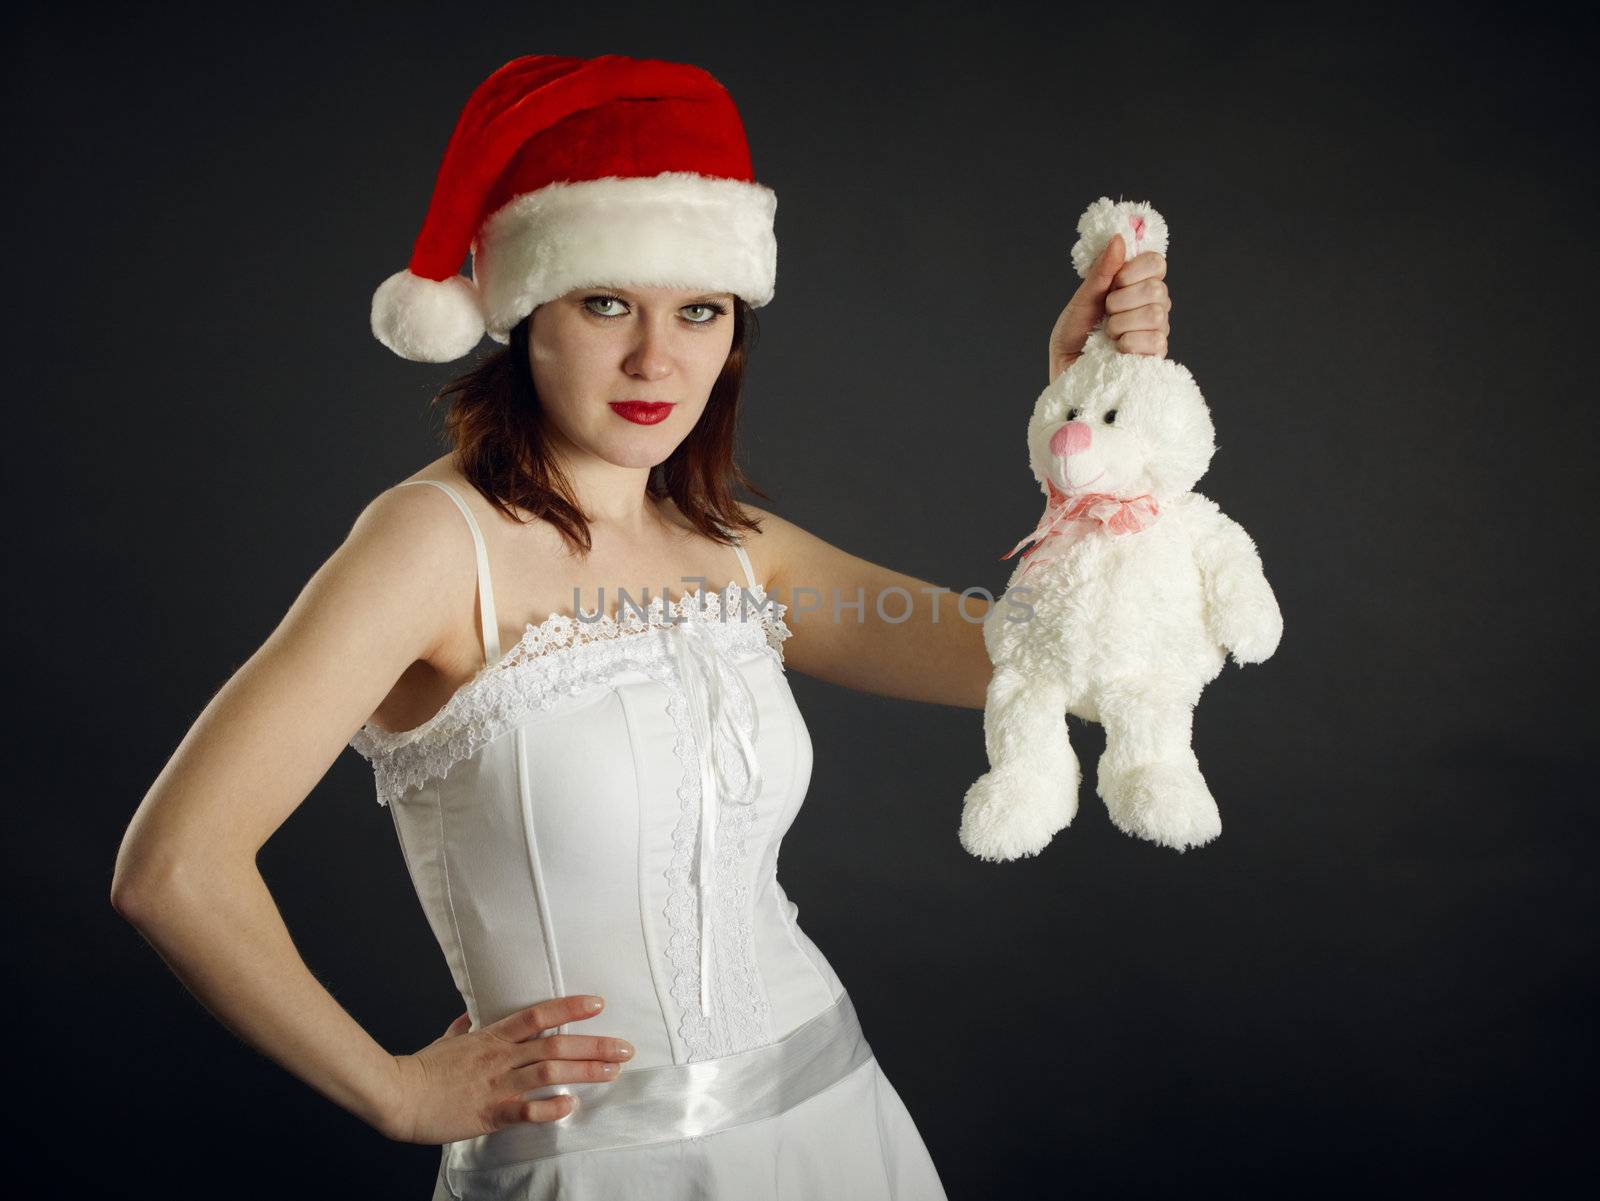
(643, 412)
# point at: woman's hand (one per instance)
(467, 1083)
(1133, 294)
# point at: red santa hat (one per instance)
(568, 172)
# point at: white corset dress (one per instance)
(600, 810)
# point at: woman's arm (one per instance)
(186, 872)
(934, 654)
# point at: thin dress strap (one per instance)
(486, 613)
(744, 561)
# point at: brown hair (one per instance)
(495, 424)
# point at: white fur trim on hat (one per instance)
(678, 229)
(427, 320)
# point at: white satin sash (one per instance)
(682, 1100)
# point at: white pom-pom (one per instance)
(427, 320)
(1141, 227)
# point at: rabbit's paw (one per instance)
(1010, 812)
(1254, 632)
(1166, 803)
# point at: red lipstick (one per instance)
(643, 412)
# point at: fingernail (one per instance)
(625, 1051)
(610, 1069)
(593, 1003)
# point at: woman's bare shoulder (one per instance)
(774, 546)
(418, 517)
(415, 541)
(786, 554)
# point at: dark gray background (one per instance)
(1381, 976)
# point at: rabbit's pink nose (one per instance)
(1070, 439)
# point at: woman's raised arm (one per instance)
(846, 616)
(935, 652)
(186, 873)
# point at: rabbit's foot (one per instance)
(1167, 803)
(1010, 811)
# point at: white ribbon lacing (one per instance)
(705, 671)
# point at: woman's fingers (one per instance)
(562, 1059)
(573, 1046)
(1139, 318)
(1152, 317)
(560, 1071)
(1139, 309)
(1143, 341)
(1152, 264)
(468, 1083)
(546, 1109)
(1133, 298)
(546, 1015)
(1085, 308)
(1146, 291)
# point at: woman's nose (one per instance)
(1072, 438)
(649, 358)
(648, 363)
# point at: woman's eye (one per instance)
(711, 311)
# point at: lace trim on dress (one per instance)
(739, 1012)
(556, 658)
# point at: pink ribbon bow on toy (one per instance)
(1112, 513)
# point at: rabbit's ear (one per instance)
(1141, 227)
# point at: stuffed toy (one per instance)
(1130, 594)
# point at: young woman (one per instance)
(590, 796)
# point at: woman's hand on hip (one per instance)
(470, 1082)
(1131, 295)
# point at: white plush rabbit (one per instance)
(1124, 606)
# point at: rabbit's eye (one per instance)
(1111, 416)
(1072, 414)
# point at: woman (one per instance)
(591, 816)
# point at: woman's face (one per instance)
(598, 346)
